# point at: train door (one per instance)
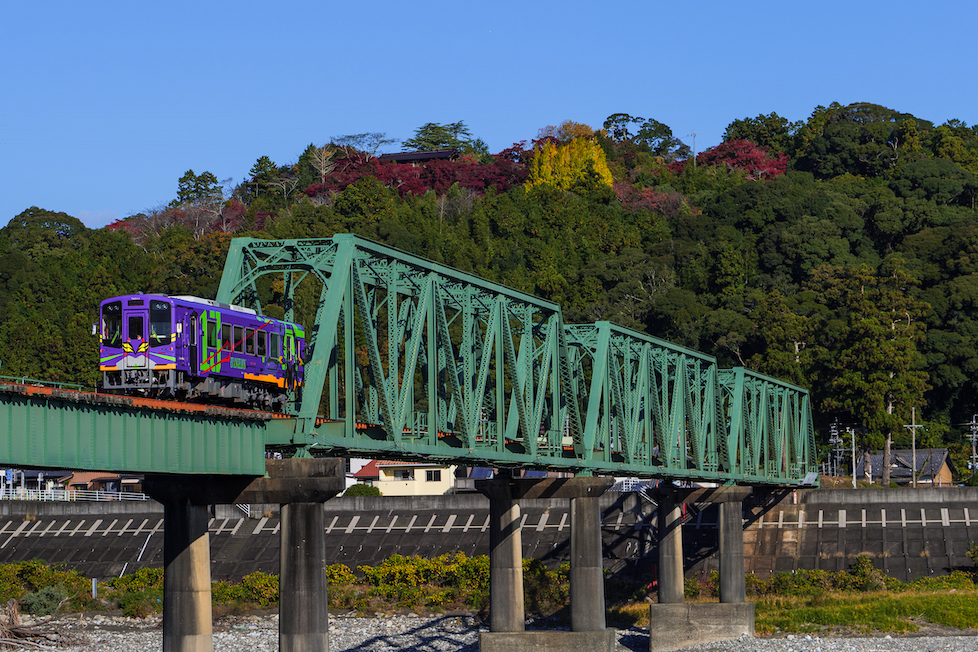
(193, 353)
(290, 365)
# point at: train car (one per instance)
(189, 348)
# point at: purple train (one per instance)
(196, 349)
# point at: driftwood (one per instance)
(39, 635)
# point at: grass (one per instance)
(839, 612)
(859, 600)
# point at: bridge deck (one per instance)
(47, 427)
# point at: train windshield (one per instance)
(112, 324)
(159, 323)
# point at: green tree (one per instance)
(770, 130)
(784, 339)
(198, 189)
(875, 379)
(455, 135)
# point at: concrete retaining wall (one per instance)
(908, 533)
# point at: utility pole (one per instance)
(852, 432)
(973, 436)
(836, 442)
(913, 439)
(693, 134)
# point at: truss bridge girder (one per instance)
(410, 359)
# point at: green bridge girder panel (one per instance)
(64, 429)
(411, 359)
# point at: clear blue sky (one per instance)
(104, 105)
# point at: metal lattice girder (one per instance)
(770, 428)
(650, 402)
(65, 429)
(416, 360)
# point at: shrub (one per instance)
(545, 591)
(261, 587)
(755, 585)
(361, 489)
(10, 587)
(224, 593)
(45, 601)
(141, 580)
(139, 604)
(339, 574)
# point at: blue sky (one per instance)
(103, 106)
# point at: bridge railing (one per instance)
(68, 495)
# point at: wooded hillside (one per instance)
(839, 253)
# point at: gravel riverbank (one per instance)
(99, 633)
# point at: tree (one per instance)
(369, 142)
(874, 375)
(263, 174)
(454, 135)
(322, 160)
(619, 126)
(755, 161)
(658, 139)
(197, 189)
(771, 131)
(578, 165)
(860, 138)
(565, 132)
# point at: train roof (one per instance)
(215, 304)
(190, 299)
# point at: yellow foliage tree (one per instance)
(567, 131)
(577, 164)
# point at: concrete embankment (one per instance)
(908, 533)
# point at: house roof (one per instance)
(929, 463)
(400, 463)
(369, 470)
(418, 157)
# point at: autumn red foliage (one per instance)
(505, 171)
(755, 161)
(670, 203)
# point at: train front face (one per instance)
(137, 343)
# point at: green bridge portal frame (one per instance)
(411, 359)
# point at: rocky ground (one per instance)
(382, 633)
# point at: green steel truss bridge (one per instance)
(408, 359)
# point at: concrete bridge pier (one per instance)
(671, 581)
(505, 557)
(674, 624)
(300, 486)
(589, 631)
(186, 578)
(187, 618)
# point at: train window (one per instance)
(112, 324)
(274, 345)
(239, 339)
(159, 323)
(212, 331)
(262, 343)
(250, 341)
(135, 327)
(226, 337)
